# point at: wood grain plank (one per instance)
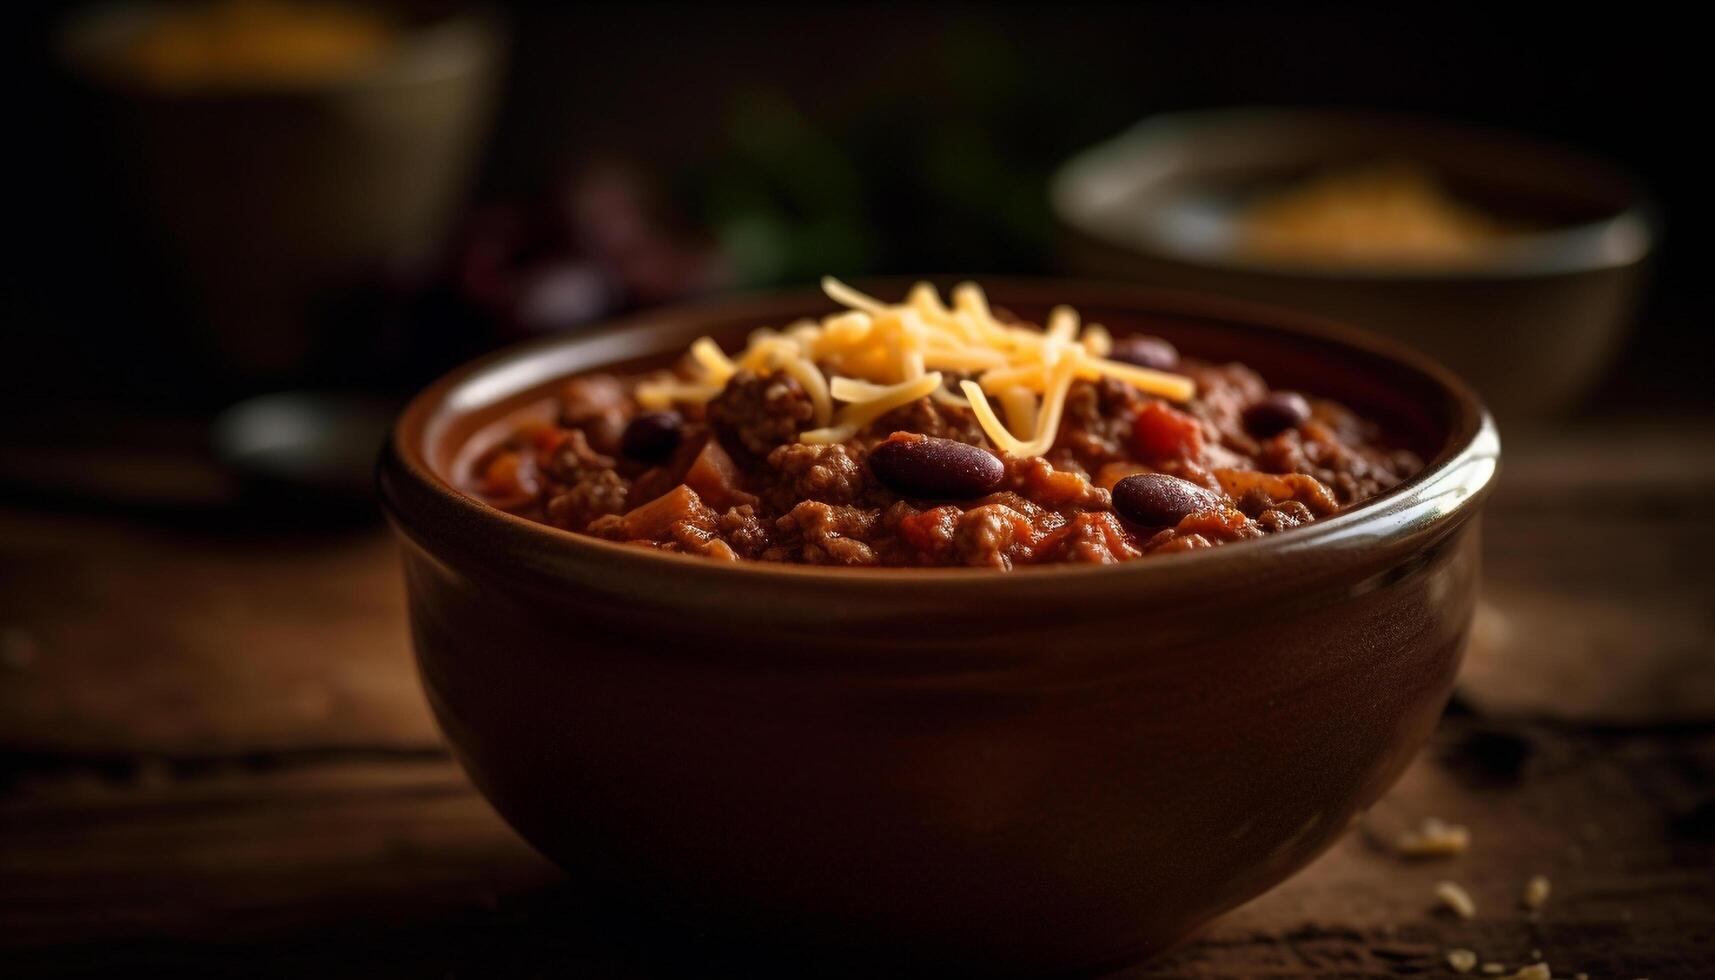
(1598, 594)
(117, 637)
(358, 867)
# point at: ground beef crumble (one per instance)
(827, 472)
(756, 413)
(581, 484)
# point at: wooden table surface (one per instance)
(214, 759)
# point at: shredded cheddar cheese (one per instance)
(876, 356)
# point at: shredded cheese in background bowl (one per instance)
(860, 364)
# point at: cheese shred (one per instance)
(875, 357)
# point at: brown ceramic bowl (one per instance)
(1053, 768)
(1156, 205)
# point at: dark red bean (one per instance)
(1275, 413)
(1159, 500)
(651, 436)
(942, 469)
(1149, 352)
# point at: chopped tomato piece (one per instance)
(1162, 432)
(714, 476)
(1112, 473)
(506, 480)
(544, 437)
(930, 532)
(655, 519)
(550, 438)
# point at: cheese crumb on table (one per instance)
(1535, 893)
(1461, 960)
(1433, 839)
(1457, 899)
(1535, 971)
(1494, 969)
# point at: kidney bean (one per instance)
(1159, 500)
(1148, 352)
(1275, 413)
(943, 469)
(651, 436)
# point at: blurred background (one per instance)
(244, 232)
(370, 197)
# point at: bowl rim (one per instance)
(1622, 238)
(1403, 520)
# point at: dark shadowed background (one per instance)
(794, 140)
